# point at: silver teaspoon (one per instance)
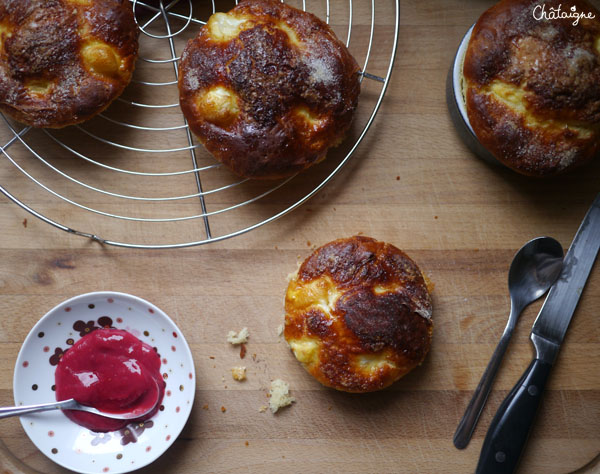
(534, 269)
(73, 404)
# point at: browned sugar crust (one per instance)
(533, 87)
(64, 61)
(358, 314)
(287, 89)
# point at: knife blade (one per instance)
(510, 427)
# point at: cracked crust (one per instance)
(268, 89)
(64, 61)
(358, 315)
(531, 86)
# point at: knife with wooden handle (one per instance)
(510, 427)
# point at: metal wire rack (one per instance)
(138, 164)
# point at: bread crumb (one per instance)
(280, 330)
(263, 409)
(279, 395)
(223, 409)
(238, 338)
(238, 373)
(205, 406)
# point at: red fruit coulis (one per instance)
(113, 371)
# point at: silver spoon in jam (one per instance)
(72, 404)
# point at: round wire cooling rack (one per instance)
(136, 177)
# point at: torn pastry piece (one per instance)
(531, 85)
(279, 395)
(268, 88)
(64, 61)
(236, 338)
(358, 315)
(238, 373)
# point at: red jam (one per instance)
(113, 371)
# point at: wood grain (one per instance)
(411, 182)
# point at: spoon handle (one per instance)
(467, 424)
(6, 412)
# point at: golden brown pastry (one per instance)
(268, 89)
(358, 314)
(64, 61)
(532, 85)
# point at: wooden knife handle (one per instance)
(510, 427)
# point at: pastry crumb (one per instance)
(280, 330)
(238, 338)
(223, 409)
(242, 351)
(279, 395)
(238, 373)
(205, 406)
(263, 408)
(247, 443)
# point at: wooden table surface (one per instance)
(411, 182)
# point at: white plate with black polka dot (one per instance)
(73, 446)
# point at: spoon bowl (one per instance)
(534, 269)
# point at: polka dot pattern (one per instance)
(105, 452)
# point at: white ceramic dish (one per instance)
(73, 446)
(457, 105)
(457, 81)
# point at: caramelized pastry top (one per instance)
(63, 61)
(358, 314)
(532, 86)
(268, 88)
